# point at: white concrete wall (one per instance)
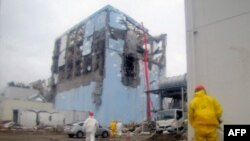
(51, 118)
(8, 106)
(27, 119)
(218, 54)
(18, 93)
(44, 118)
(58, 119)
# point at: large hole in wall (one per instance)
(130, 70)
(129, 65)
(130, 60)
(98, 56)
(81, 51)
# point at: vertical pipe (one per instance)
(146, 75)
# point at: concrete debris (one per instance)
(6, 124)
(148, 129)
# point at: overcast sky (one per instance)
(28, 29)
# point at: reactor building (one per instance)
(99, 65)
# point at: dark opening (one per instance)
(179, 115)
(78, 68)
(50, 118)
(87, 64)
(15, 116)
(130, 70)
(129, 65)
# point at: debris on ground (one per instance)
(145, 131)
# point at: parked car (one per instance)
(75, 129)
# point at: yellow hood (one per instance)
(200, 93)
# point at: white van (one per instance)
(168, 120)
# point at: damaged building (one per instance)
(98, 65)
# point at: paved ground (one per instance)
(42, 136)
(33, 136)
(57, 138)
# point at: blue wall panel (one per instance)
(119, 102)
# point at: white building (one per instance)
(218, 54)
(9, 108)
(16, 99)
(28, 108)
(19, 93)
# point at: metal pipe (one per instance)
(146, 75)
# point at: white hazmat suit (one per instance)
(89, 127)
(119, 127)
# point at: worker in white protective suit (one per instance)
(89, 127)
(119, 127)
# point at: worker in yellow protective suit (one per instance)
(113, 128)
(204, 114)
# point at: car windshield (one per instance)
(165, 115)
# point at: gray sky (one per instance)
(28, 29)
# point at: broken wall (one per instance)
(107, 68)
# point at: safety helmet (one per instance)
(91, 113)
(199, 87)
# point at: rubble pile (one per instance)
(146, 131)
